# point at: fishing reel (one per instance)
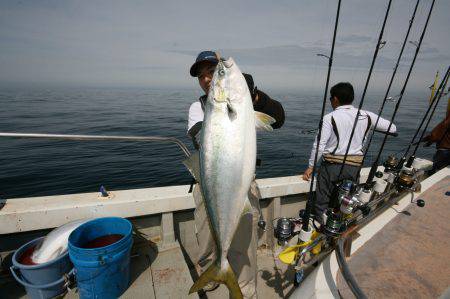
(344, 189)
(409, 180)
(348, 204)
(390, 165)
(335, 223)
(356, 201)
(391, 169)
(350, 198)
(406, 180)
(284, 230)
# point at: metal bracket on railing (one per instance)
(414, 43)
(323, 55)
(101, 137)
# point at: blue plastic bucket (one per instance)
(102, 272)
(46, 280)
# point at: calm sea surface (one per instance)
(31, 167)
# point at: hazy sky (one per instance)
(153, 43)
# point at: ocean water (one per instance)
(31, 167)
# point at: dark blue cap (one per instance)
(203, 56)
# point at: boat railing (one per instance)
(162, 212)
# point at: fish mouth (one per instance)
(220, 94)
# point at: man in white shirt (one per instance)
(242, 254)
(336, 130)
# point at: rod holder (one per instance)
(305, 235)
(365, 195)
(380, 185)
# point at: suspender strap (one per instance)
(335, 130)
(369, 124)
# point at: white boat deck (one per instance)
(396, 257)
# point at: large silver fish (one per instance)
(227, 164)
(55, 243)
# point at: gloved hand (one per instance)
(427, 141)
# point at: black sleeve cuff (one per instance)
(269, 106)
(193, 133)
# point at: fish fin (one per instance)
(264, 121)
(231, 110)
(247, 207)
(216, 273)
(193, 165)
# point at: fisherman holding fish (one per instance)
(203, 69)
(336, 131)
(233, 165)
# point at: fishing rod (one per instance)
(441, 86)
(101, 137)
(379, 45)
(354, 209)
(311, 197)
(411, 21)
(413, 155)
(402, 92)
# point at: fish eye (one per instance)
(221, 72)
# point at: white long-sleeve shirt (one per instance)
(344, 117)
(196, 114)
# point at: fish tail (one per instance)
(224, 275)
